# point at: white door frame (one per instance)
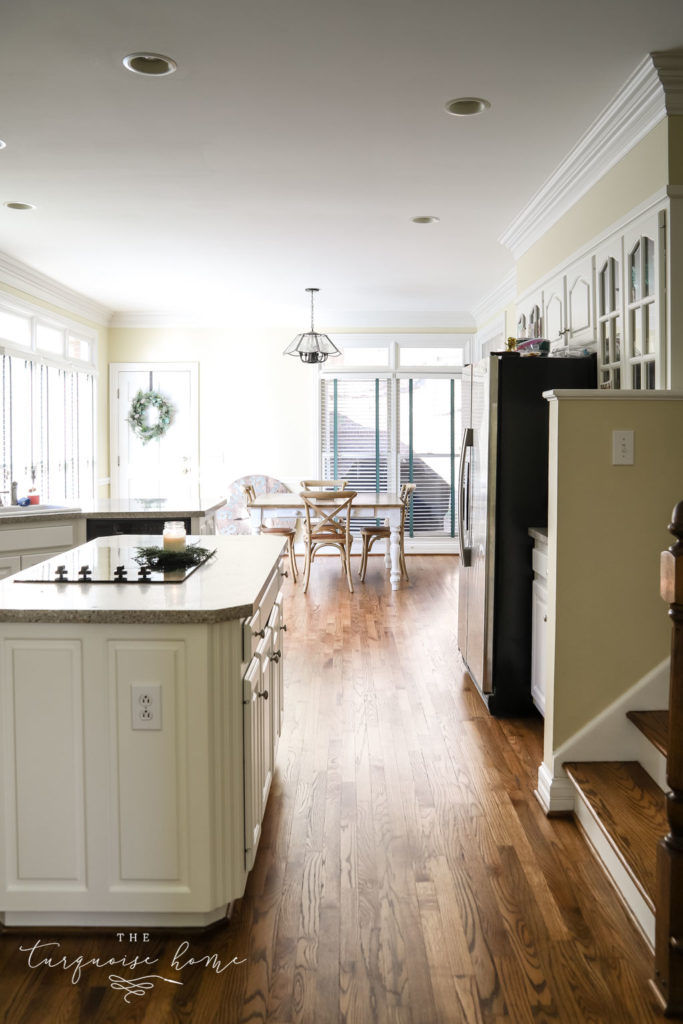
(152, 367)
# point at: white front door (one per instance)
(166, 466)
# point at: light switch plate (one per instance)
(622, 448)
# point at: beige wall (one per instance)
(607, 526)
(257, 408)
(634, 179)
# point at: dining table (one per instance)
(384, 505)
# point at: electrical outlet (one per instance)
(145, 700)
(622, 447)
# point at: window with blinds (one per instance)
(47, 429)
(355, 431)
(429, 423)
(380, 432)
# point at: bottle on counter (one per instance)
(175, 537)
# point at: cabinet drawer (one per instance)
(539, 561)
(253, 628)
(51, 537)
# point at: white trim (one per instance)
(610, 736)
(670, 70)
(606, 853)
(555, 793)
(497, 299)
(38, 315)
(19, 275)
(571, 395)
(337, 321)
(589, 248)
(637, 108)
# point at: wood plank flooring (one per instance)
(406, 872)
(630, 809)
(655, 725)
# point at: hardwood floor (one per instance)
(406, 873)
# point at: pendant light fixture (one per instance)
(312, 347)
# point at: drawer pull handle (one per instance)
(260, 632)
(283, 627)
(276, 655)
(545, 618)
(284, 572)
(262, 693)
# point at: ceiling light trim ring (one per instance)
(152, 65)
(467, 106)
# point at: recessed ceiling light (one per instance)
(465, 106)
(19, 206)
(425, 220)
(2, 144)
(149, 64)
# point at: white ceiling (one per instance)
(295, 143)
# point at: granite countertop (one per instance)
(119, 508)
(228, 586)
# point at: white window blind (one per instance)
(355, 416)
(380, 432)
(429, 424)
(47, 429)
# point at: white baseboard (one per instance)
(555, 793)
(635, 903)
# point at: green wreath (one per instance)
(137, 417)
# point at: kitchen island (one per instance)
(138, 722)
(31, 534)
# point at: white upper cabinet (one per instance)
(569, 313)
(609, 292)
(612, 298)
(554, 310)
(643, 250)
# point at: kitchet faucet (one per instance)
(12, 493)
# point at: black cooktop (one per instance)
(115, 564)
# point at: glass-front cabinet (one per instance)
(629, 284)
(610, 320)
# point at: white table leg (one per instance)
(256, 516)
(395, 547)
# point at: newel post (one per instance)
(668, 980)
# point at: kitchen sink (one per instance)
(24, 510)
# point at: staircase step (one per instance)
(654, 725)
(629, 809)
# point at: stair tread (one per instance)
(654, 725)
(630, 809)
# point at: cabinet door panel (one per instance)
(9, 564)
(580, 305)
(554, 312)
(539, 633)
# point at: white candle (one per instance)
(174, 536)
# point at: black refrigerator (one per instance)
(503, 491)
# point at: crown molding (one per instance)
(669, 67)
(336, 320)
(497, 299)
(653, 90)
(39, 286)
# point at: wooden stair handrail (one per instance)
(668, 979)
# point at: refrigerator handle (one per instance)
(467, 442)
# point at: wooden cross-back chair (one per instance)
(282, 531)
(324, 485)
(327, 524)
(370, 534)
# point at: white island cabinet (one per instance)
(138, 726)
